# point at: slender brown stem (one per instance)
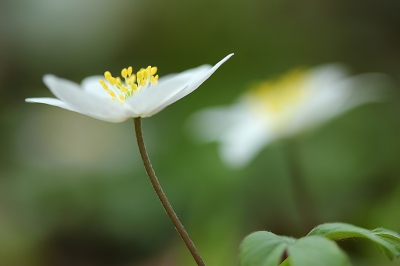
(161, 195)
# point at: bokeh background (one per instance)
(72, 188)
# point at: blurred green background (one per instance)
(72, 188)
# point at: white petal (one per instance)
(371, 87)
(241, 135)
(174, 80)
(243, 141)
(85, 103)
(50, 101)
(320, 77)
(350, 93)
(318, 97)
(149, 99)
(92, 85)
(195, 83)
(338, 97)
(211, 123)
(172, 89)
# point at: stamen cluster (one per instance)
(120, 91)
(281, 93)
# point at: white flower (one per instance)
(114, 100)
(281, 108)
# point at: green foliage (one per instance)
(263, 248)
(267, 249)
(386, 240)
(317, 248)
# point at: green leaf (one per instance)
(391, 237)
(263, 249)
(267, 249)
(386, 240)
(316, 251)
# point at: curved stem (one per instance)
(161, 195)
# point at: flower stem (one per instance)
(304, 201)
(161, 195)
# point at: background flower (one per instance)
(281, 107)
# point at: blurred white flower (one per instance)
(113, 100)
(281, 108)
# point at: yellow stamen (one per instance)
(278, 97)
(134, 87)
(132, 84)
(124, 73)
(139, 75)
(146, 73)
(107, 75)
(103, 84)
(119, 82)
(154, 80)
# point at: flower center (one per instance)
(121, 90)
(278, 100)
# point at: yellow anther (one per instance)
(134, 87)
(103, 84)
(154, 80)
(146, 73)
(107, 75)
(124, 73)
(123, 87)
(119, 82)
(111, 93)
(139, 75)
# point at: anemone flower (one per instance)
(283, 107)
(115, 99)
